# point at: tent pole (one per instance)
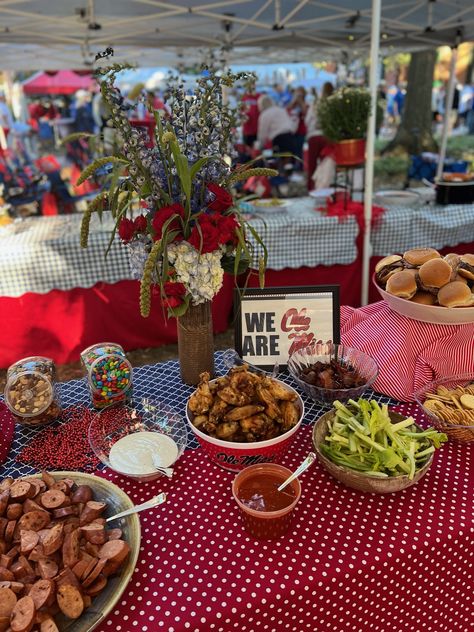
(447, 112)
(369, 159)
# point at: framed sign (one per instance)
(271, 323)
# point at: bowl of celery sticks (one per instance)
(366, 446)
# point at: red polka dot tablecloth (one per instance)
(353, 561)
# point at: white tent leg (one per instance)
(369, 159)
(447, 112)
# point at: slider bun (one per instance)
(424, 298)
(387, 261)
(461, 279)
(466, 266)
(435, 273)
(419, 256)
(455, 294)
(402, 284)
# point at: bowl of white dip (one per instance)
(133, 439)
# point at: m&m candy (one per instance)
(109, 373)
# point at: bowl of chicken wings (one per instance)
(244, 418)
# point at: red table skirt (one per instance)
(60, 324)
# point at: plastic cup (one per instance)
(266, 525)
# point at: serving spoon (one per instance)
(167, 471)
(149, 504)
(309, 460)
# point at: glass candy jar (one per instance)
(109, 374)
(31, 391)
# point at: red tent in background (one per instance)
(61, 82)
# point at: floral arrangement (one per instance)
(189, 230)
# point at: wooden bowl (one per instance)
(359, 480)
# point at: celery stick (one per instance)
(354, 403)
(352, 443)
(376, 474)
(429, 450)
(340, 406)
(338, 438)
(409, 421)
(370, 442)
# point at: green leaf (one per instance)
(235, 265)
(181, 309)
(182, 167)
(199, 164)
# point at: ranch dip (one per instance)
(140, 452)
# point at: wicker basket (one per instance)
(196, 343)
(359, 480)
(462, 433)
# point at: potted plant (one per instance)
(344, 118)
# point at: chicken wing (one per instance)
(202, 399)
(233, 397)
(278, 390)
(242, 412)
(271, 405)
(290, 414)
(227, 430)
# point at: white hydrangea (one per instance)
(202, 274)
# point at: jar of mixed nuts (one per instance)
(109, 374)
(30, 391)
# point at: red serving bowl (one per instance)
(235, 456)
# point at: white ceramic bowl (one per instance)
(427, 313)
(397, 198)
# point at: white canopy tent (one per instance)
(51, 34)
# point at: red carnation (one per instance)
(222, 198)
(162, 215)
(227, 225)
(140, 224)
(205, 235)
(126, 229)
(174, 294)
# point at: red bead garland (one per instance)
(65, 446)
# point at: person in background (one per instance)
(275, 126)
(317, 142)
(83, 119)
(281, 95)
(297, 110)
(251, 114)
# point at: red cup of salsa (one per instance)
(266, 512)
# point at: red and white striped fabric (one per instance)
(409, 353)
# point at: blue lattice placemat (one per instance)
(158, 381)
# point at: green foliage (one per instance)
(344, 115)
(391, 165)
(461, 147)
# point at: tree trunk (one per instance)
(415, 131)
